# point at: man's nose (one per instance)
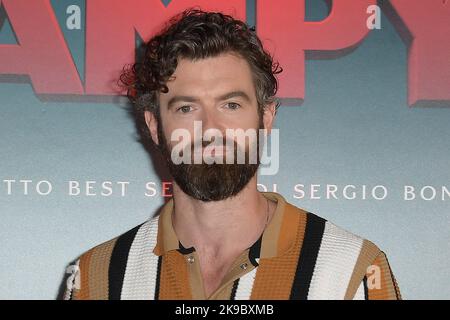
(210, 120)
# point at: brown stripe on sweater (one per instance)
(174, 281)
(368, 253)
(271, 235)
(98, 270)
(275, 275)
(387, 291)
(83, 293)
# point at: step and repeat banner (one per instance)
(364, 128)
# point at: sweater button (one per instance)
(244, 266)
(191, 259)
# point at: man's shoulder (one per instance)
(331, 237)
(99, 267)
(335, 259)
(105, 250)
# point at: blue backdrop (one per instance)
(354, 128)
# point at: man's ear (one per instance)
(152, 124)
(269, 116)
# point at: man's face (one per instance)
(219, 93)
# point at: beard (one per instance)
(211, 182)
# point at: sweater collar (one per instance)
(277, 238)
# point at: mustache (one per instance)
(223, 146)
(223, 143)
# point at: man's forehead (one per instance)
(227, 58)
(213, 75)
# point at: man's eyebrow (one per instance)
(234, 94)
(176, 99)
(225, 96)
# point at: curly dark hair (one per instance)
(196, 34)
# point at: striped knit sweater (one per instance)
(299, 256)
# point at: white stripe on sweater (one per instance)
(140, 274)
(245, 285)
(338, 253)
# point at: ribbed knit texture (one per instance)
(313, 259)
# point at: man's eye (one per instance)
(184, 109)
(233, 105)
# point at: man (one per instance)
(219, 237)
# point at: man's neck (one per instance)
(221, 228)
